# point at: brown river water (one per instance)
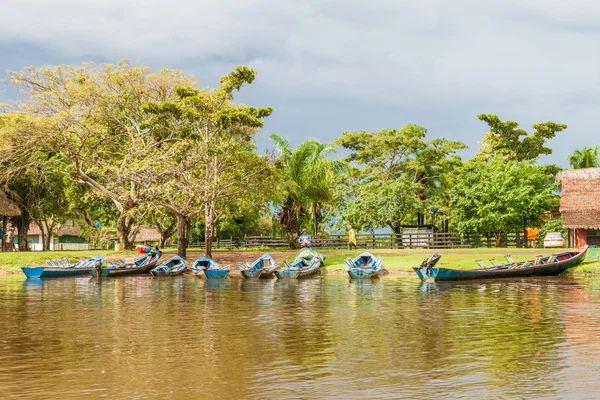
(321, 338)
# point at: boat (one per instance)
(306, 263)
(62, 268)
(210, 268)
(138, 265)
(365, 266)
(541, 266)
(173, 266)
(263, 268)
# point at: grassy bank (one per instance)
(394, 259)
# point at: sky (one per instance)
(334, 65)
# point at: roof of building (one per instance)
(579, 205)
(8, 208)
(69, 228)
(147, 233)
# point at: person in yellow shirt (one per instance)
(532, 234)
(351, 238)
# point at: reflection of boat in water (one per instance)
(365, 266)
(216, 284)
(33, 283)
(541, 266)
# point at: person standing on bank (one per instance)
(351, 238)
(304, 239)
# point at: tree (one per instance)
(204, 154)
(308, 179)
(504, 139)
(584, 158)
(497, 196)
(91, 117)
(394, 172)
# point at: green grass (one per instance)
(13, 261)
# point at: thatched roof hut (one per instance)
(8, 208)
(147, 233)
(69, 228)
(580, 198)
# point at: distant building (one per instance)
(580, 205)
(68, 237)
(147, 235)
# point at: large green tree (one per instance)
(507, 140)
(204, 154)
(496, 196)
(90, 116)
(308, 183)
(394, 174)
(585, 158)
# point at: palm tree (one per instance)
(584, 158)
(308, 176)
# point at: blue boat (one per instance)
(298, 268)
(173, 266)
(62, 268)
(541, 266)
(365, 266)
(138, 265)
(263, 268)
(210, 268)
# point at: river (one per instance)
(184, 337)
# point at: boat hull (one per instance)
(446, 274)
(47, 272)
(287, 274)
(363, 273)
(216, 273)
(256, 274)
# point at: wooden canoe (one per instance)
(544, 266)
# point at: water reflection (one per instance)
(316, 338)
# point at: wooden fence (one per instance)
(422, 239)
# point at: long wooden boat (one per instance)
(541, 266)
(62, 268)
(365, 266)
(210, 268)
(173, 266)
(262, 268)
(139, 265)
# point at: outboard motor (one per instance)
(98, 268)
(430, 262)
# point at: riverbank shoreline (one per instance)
(396, 261)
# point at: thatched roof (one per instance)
(147, 233)
(579, 199)
(8, 208)
(69, 228)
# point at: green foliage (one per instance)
(587, 157)
(504, 139)
(394, 174)
(308, 178)
(498, 196)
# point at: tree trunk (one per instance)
(188, 233)
(44, 235)
(315, 208)
(49, 229)
(4, 227)
(397, 228)
(124, 225)
(209, 219)
(22, 223)
(181, 236)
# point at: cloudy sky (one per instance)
(333, 65)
